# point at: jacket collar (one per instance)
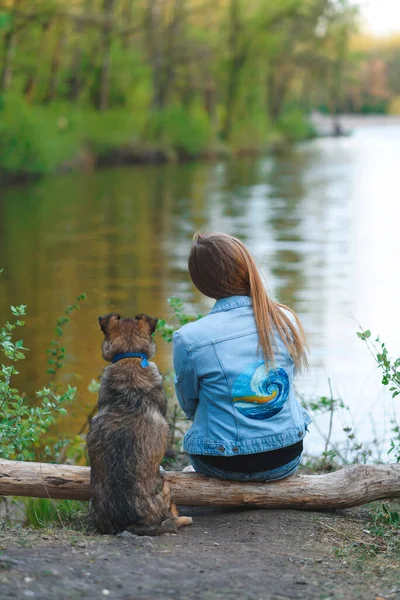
(231, 302)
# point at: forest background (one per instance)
(92, 82)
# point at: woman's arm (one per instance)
(186, 380)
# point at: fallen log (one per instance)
(351, 486)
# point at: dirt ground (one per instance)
(224, 555)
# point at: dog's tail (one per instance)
(168, 526)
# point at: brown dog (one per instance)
(128, 437)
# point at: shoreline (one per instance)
(137, 156)
(132, 155)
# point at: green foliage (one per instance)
(56, 352)
(356, 451)
(177, 79)
(386, 525)
(102, 132)
(180, 318)
(36, 140)
(251, 132)
(385, 517)
(23, 424)
(334, 455)
(33, 140)
(187, 132)
(26, 420)
(390, 369)
(39, 140)
(294, 125)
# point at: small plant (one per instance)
(384, 516)
(175, 416)
(386, 522)
(386, 525)
(22, 423)
(25, 420)
(390, 377)
(188, 132)
(390, 368)
(180, 317)
(56, 352)
(332, 457)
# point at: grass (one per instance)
(370, 534)
(386, 525)
(44, 513)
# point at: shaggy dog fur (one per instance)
(128, 436)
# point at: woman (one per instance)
(235, 369)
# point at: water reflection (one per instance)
(320, 221)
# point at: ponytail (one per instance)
(269, 315)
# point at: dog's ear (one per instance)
(151, 321)
(107, 320)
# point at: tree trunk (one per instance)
(174, 39)
(9, 46)
(9, 51)
(236, 65)
(279, 81)
(55, 65)
(350, 486)
(105, 74)
(154, 44)
(75, 79)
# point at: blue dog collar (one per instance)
(144, 362)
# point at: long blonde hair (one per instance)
(221, 266)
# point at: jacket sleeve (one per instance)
(186, 380)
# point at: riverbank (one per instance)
(37, 140)
(129, 155)
(224, 555)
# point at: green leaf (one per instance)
(364, 335)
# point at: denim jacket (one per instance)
(238, 404)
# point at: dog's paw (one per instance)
(183, 521)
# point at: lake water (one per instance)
(322, 221)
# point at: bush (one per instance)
(33, 140)
(250, 132)
(37, 140)
(26, 420)
(294, 125)
(186, 132)
(102, 132)
(390, 368)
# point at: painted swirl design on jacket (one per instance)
(260, 394)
